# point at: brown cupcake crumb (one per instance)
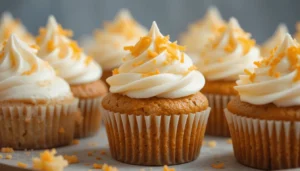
(7, 150)
(22, 165)
(219, 165)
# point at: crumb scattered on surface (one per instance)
(87, 164)
(75, 142)
(166, 168)
(103, 152)
(106, 167)
(72, 159)
(212, 144)
(22, 165)
(49, 162)
(219, 165)
(7, 150)
(229, 141)
(98, 158)
(8, 156)
(90, 153)
(97, 166)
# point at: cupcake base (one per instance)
(155, 131)
(155, 140)
(89, 96)
(91, 118)
(266, 136)
(217, 124)
(37, 127)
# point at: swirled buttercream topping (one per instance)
(9, 25)
(24, 76)
(226, 56)
(107, 44)
(156, 67)
(199, 33)
(276, 78)
(275, 40)
(64, 54)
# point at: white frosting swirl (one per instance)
(24, 76)
(156, 68)
(107, 45)
(227, 56)
(275, 40)
(199, 33)
(65, 56)
(9, 25)
(277, 78)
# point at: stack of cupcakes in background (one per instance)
(107, 44)
(264, 120)
(79, 70)
(154, 113)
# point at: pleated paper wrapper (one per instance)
(91, 117)
(265, 144)
(155, 140)
(37, 127)
(217, 124)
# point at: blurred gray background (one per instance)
(260, 17)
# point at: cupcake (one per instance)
(107, 44)
(154, 113)
(274, 41)
(264, 120)
(37, 108)
(199, 33)
(79, 70)
(9, 25)
(224, 58)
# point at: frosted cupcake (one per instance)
(9, 25)
(264, 120)
(221, 62)
(201, 32)
(274, 41)
(155, 114)
(107, 45)
(37, 108)
(78, 69)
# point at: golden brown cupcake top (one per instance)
(155, 106)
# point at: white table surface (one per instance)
(222, 152)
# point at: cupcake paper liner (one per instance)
(265, 144)
(37, 127)
(155, 140)
(217, 124)
(91, 117)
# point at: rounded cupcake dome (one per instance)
(156, 67)
(226, 56)
(64, 54)
(24, 76)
